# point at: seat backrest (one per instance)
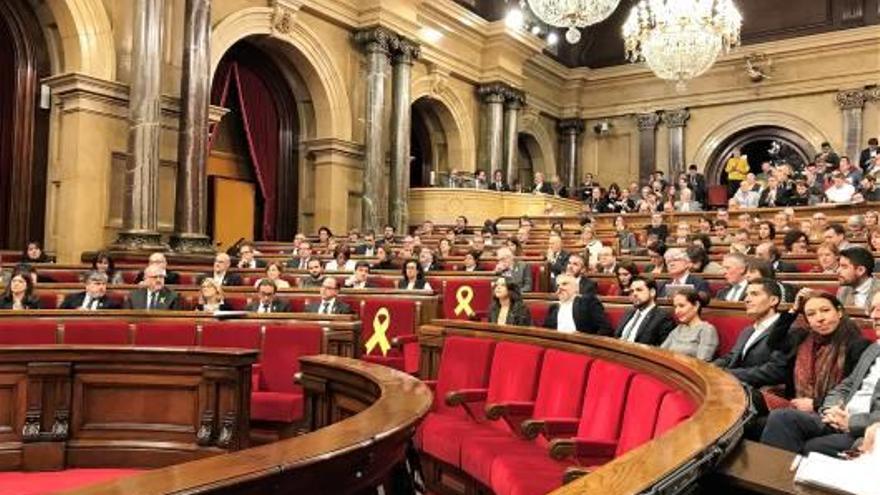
(401, 319)
(283, 345)
(49, 300)
(728, 327)
(27, 332)
(640, 416)
(165, 333)
(231, 334)
(615, 314)
(236, 301)
(456, 297)
(675, 408)
(88, 331)
(538, 309)
(515, 371)
(561, 387)
(604, 399)
(464, 363)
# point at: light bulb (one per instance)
(573, 35)
(552, 39)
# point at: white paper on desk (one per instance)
(853, 477)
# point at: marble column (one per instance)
(377, 43)
(514, 101)
(190, 209)
(141, 209)
(569, 131)
(675, 120)
(851, 105)
(647, 123)
(401, 122)
(492, 155)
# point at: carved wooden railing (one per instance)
(666, 465)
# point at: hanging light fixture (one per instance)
(681, 39)
(572, 14)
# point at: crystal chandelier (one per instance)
(680, 39)
(572, 14)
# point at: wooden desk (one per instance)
(67, 406)
(442, 205)
(757, 468)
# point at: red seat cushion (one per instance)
(109, 332)
(27, 332)
(48, 300)
(728, 326)
(282, 348)
(538, 310)
(402, 320)
(642, 406)
(615, 314)
(604, 400)
(165, 333)
(237, 302)
(479, 302)
(526, 474)
(284, 407)
(675, 408)
(606, 286)
(237, 334)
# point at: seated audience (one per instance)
(835, 234)
(315, 275)
(656, 253)
(368, 246)
(745, 196)
(382, 260)
(626, 239)
(556, 257)
(94, 296)
(329, 304)
(840, 190)
(273, 272)
(735, 265)
(19, 293)
(700, 262)
(855, 274)
(33, 253)
(221, 273)
(576, 313)
(267, 302)
(103, 263)
(516, 271)
(577, 269)
(796, 242)
(247, 257)
(211, 297)
(360, 279)
(324, 235)
(693, 336)
(873, 238)
(658, 228)
(827, 257)
(341, 261)
(158, 260)
(607, 262)
(678, 265)
(444, 249)
(768, 252)
(623, 274)
(153, 295)
(592, 246)
(304, 255)
(471, 261)
(766, 231)
(507, 306)
(427, 260)
(461, 226)
(757, 269)
(720, 234)
(751, 360)
(413, 277)
(686, 202)
(644, 322)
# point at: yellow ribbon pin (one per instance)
(463, 296)
(380, 326)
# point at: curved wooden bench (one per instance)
(677, 459)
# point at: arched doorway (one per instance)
(760, 144)
(24, 125)
(252, 168)
(529, 159)
(429, 147)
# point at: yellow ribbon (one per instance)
(463, 296)
(380, 326)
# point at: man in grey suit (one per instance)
(855, 273)
(515, 271)
(847, 411)
(153, 295)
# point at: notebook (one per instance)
(851, 477)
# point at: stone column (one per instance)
(513, 103)
(141, 211)
(570, 130)
(647, 123)
(675, 120)
(401, 122)
(851, 105)
(190, 209)
(492, 152)
(377, 42)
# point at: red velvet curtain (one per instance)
(259, 116)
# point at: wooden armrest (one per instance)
(463, 396)
(573, 473)
(508, 409)
(400, 340)
(550, 427)
(432, 384)
(562, 448)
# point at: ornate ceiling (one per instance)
(763, 20)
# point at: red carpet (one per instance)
(18, 483)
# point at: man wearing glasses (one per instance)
(153, 295)
(329, 304)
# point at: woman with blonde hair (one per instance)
(211, 296)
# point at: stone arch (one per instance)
(715, 137)
(83, 42)
(454, 118)
(304, 51)
(542, 148)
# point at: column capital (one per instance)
(676, 118)
(873, 94)
(514, 98)
(495, 92)
(647, 121)
(377, 40)
(571, 126)
(850, 99)
(405, 52)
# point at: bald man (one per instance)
(159, 260)
(221, 273)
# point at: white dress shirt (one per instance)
(760, 328)
(565, 317)
(631, 331)
(326, 307)
(860, 293)
(733, 295)
(860, 403)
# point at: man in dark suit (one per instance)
(775, 194)
(360, 279)
(93, 298)
(645, 323)
(221, 273)
(159, 260)
(678, 264)
(658, 228)
(461, 226)
(513, 270)
(768, 252)
(577, 269)
(866, 157)
(153, 295)
(541, 187)
(751, 360)
(301, 262)
(329, 305)
(557, 257)
(697, 184)
(247, 257)
(368, 246)
(267, 302)
(735, 265)
(756, 269)
(498, 183)
(576, 313)
(387, 236)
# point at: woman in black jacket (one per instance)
(19, 293)
(413, 277)
(507, 306)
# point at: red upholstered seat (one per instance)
(615, 314)
(728, 326)
(165, 333)
(236, 301)
(49, 300)
(87, 331)
(642, 407)
(805, 266)
(538, 270)
(675, 408)
(605, 286)
(538, 310)
(402, 321)
(385, 283)
(117, 297)
(275, 397)
(63, 275)
(479, 302)
(39, 483)
(716, 285)
(869, 333)
(231, 334)
(27, 332)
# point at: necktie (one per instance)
(151, 300)
(87, 303)
(325, 306)
(264, 308)
(93, 304)
(631, 330)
